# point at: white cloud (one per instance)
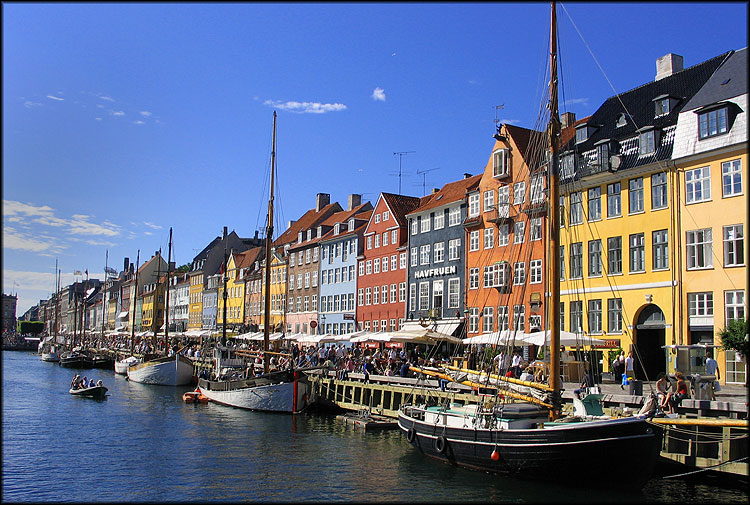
(53, 97)
(138, 122)
(306, 107)
(378, 94)
(509, 121)
(117, 113)
(29, 104)
(152, 225)
(147, 233)
(105, 97)
(78, 224)
(576, 101)
(20, 241)
(145, 113)
(97, 118)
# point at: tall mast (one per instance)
(135, 297)
(554, 210)
(224, 292)
(104, 297)
(83, 308)
(166, 301)
(57, 299)
(269, 238)
(154, 301)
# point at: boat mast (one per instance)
(224, 292)
(104, 298)
(166, 301)
(269, 238)
(154, 301)
(135, 298)
(554, 210)
(83, 308)
(57, 300)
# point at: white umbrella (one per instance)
(424, 335)
(566, 338)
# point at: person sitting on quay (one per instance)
(680, 393)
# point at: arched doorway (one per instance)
(649, 337)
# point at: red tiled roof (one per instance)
(451, 192)
(402, 205)
(309, 219)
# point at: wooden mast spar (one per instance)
(135, 298)
(269, 238)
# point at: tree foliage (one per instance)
(183, 268)
(30, 327)
(734, 336)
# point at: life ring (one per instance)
(441, 444)
(411, 434)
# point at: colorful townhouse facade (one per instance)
(340, 245)
(436, 270)
(710, 155)
(381, 294)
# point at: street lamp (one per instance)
(322, 324)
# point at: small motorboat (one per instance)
(121, 366)
(102, 361)
(90, 392)
(194, 397)
(75, 359)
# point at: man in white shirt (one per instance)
(712, 368)
(516, 364)
(629, 362)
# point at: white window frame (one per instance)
(698, 185)
(731, 178)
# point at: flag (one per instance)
(77, 272)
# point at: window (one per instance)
(384, 263)
(424, 254)
(368, 296)
(734, 251)
(659, 191)
(519, 273)
(562, 263)
(489, 276)
(402, 292)
(637, 253)
(562, 315)
(454, 216)
(646, 143)
(614, 204)
(519, 317)
(500, 163)
(424, 296)
(368, 267)
(361, 269)
(394, 237)
(576, 316)
(502, 318)
(595, 204)
(660, 250)
(402, 260)
(635, 195)
(489, 238)
(385, 240)
(377, 244)
(292, 257)
(582, 134)
(503, 201)
(567, 167)
(602, 156)
(561, 208)
(731, 178)
(519, 192)
(712, 123)
(576, 260)
(701, 304)
(661, 106)
(595, 316)
(535, 272)
(360, 296)
(308, 254)
(394, 293)
(488, 319)
(414, 252)
(439, 252)
(473, 320)
(576, 207)
(394, 261)
(453, 293)
(595, 258)
(439, 220)
(375, 295)
(519, 230)
(454, 249)
(489, 200)
(412, 297)
(614, 315)
(474, 278)
(535, 231)
(369, 244)
(734, 305)
(375, 269)
(474, 205)
(503, 232)
(614, 255)
(414, 226)
(698, 185)
(315, 255)
(424, 226)
(474, 240)
(537, 189)
(699, 244)
(307, 279)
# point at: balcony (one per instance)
(498, 213)
(535, 208)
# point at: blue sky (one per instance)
(123, 120)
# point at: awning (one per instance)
(122, 314)
(446, 326)
(566, 338)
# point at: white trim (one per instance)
(629, 287)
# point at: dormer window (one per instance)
(309, 234)
(351, 224)
(663, 105)
(582, 134)
(622, 120)
(602, 154)
(320, 231)
(646, 142)
(336, 229)
(713, 122)
(299, 237)
(500, 160)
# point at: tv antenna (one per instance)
(497, 121)
(401, 155)
(423, 172)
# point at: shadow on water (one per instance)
(152, 446)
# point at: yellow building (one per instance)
(711, 158)
(195, 310)
(235, 294)
(620, 243)
(277, 291)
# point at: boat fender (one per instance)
(410, 435)
(441, 444)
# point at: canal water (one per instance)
(143, 444)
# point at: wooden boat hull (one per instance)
(92, 392)
(174, 370)
(287, 394)
(76, 361)
(51, 357)
(121, 367)
(103, 362)
(559, 451)
(194, 397)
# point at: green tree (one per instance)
(30, 327)
(183, 268)
(735, 337)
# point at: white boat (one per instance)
(50, 354)
(276, 392)
(121, 366)
(174, 370)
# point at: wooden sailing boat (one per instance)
(176, 370)
(283, 391)
(121, 365)
(49, 350)
(529, 438)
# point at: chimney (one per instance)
(466, 175)
(354, 201)
(321, 201)
(567, 119)
(289, 225)
(125, 265)
(256, 235)
(667, 65)
(224, 235)
(434, 190)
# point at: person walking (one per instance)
(629, 365)
(712, 368)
